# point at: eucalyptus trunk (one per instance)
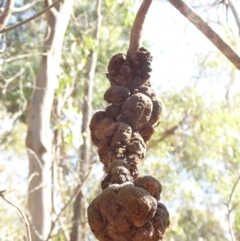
(39, 135)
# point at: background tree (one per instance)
(38, 140)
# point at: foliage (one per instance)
(201, 159)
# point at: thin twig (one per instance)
(4, 30)
(65, 234)
(232, 6)
(233, 190)
(136, 33)
(228, 204)
(20, 214)
(34, 230)
(193, 17)
(25, 7)
(10, 59)
(34, 154)
(76, 192)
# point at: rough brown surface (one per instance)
(118, 172)
(136, 111)
(116, 94)
(128, 208)
(151, 184)
(125, 212)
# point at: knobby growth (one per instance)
(128, 207)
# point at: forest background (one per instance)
(194, 152)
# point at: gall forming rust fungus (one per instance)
(128, 208)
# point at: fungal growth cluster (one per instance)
(128, 208)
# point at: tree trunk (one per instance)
(39, 136)
(79, 219)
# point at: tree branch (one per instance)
(20, 214)
(136, 33)
(193, 17)
(25, 7)
(30, 19)
(4, 17)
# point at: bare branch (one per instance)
(25, 7)
(136, 33)
(4, 17)
(30, 19)
(65, 233)
(20, 214)
(193, 17)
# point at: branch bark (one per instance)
(136, 32)
(193, 17)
